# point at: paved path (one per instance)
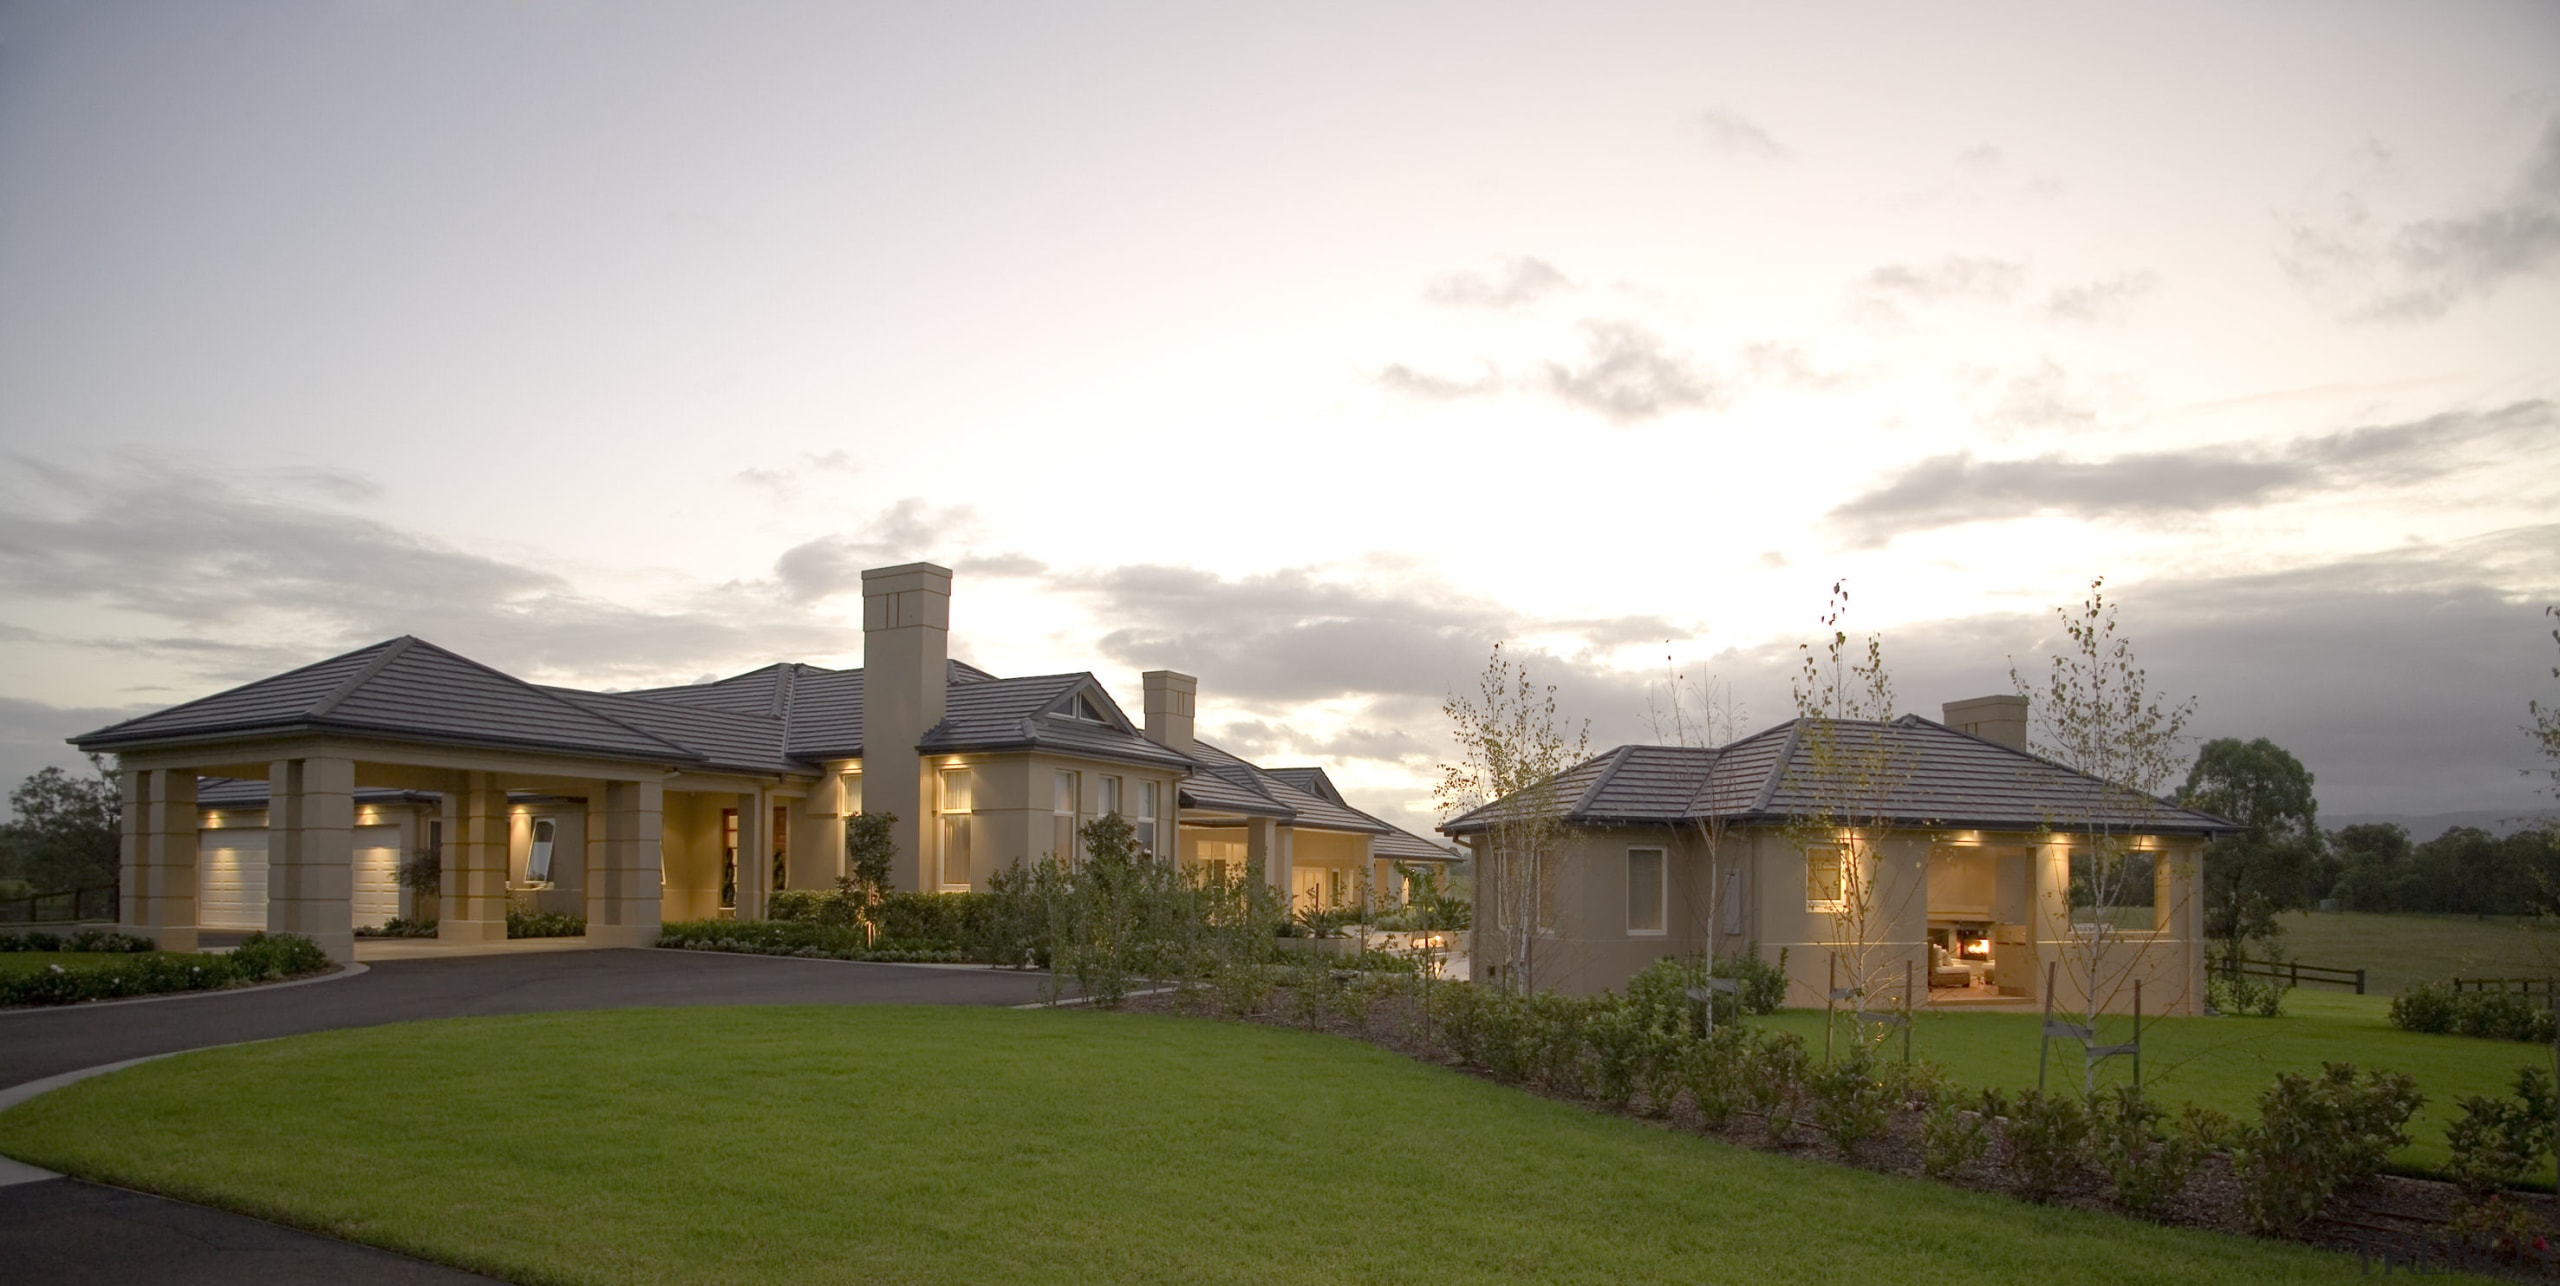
(62, 1230)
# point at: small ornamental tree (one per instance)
(63, 832)
(870, 849)
(1510, 753)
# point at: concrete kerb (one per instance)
(894, 964)
(14, 1171)
(1087, 1000)
(340, 974)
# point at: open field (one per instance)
(2225, 1063)
(13, 963)
(843, 1143)
(2400, 951)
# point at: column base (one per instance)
(471, 930)
(341, 947)
(621, 935)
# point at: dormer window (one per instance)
(1082, 707)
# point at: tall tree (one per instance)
(64, 833)
(2096, 713)
(1511, 750)
(2545, 730)
(2265, 869)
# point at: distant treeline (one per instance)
(2465, 871)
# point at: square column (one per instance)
(623, 883)
(1266, 849)
(755, 856)
(475, 862)
(311, 818)
(156, 897)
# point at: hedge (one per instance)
(805, 939)
(258, 958)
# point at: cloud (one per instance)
(1787, 365)
(1628, 376)
(1400, 378)
(1950, 490)
(31, 736)
(1521, 280)
(1730, 132)
(2107, 301)
(1619, 631)
(2043, 398)
(2424, 268)
(908, 531)
(1888, 295)
(783, 478)
(1017, 565)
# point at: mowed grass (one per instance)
(2226, 1062)
(951, 1145)
(2400, 951)
(13, 963)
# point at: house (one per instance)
(289, 803)
(1961, 866)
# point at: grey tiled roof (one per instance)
(251, 792)
(725, 739)
(1923, 773)
(407, 688)
(1007, 714)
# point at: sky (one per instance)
(1311, 350)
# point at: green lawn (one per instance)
(865, 1143)
(13, 963)
(2225, 1063)
(2399, 951)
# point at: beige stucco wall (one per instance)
(689, 851)
(1012, 816)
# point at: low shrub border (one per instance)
(2491, 1015)
(259, 958)
(804, 939)
(84, 940)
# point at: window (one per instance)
(1062, 818)
(1147, 795)
(1337, 886)
(852, 793)
(1110, 801)
(728, 858)
(1646, 875)
(957, 801)
(1223, 857)
(537, 865)
(1082, 707)
(1825, 878)
(781, 846)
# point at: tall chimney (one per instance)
(1170, 698)
(906, 673)
(2001, 719)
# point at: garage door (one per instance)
(231, 879)
(377, 882)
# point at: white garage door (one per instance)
(377, 886)
(231, 879)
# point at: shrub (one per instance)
(2437, 1008)
(2246, 995)
(2144, 1167)
(523, 923)
(1951, 1138)
(396, 927)
(2496, 1141)
(259, 957)
(2315, 1136)
(1774, 1080)
(1849, 1098)
(1615, 1035)
(1554, 1033)
(80, 940)
(2046, 1143)
(1763, 985)
(801, 938)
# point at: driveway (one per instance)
(50, 1042)
(62, 1230)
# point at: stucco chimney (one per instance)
(2000, 719)
(906, 673)
(1170, 698)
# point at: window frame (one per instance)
(1839, 860)
(1661, 892)
(957, 830)
(1066, 842)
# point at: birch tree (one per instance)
(1511, 750)
(1702, 716)
(2095, 712)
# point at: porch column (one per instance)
(755, 855)
(1265, 850)
(311, 853)
(156, 857)
(475, 862)
(623, 886)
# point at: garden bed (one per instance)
(36, 970)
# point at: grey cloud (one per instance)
(223, 557)
(1949, 490)
(1009, 565)
(906, 531)
(784, 477)
(1786, 364)
(1618, 631)
(1521, 280)
(1628, 376)
(1403, 379)
(2043, 398)
(1729, 131)
(2422, 269)
(31, 736)
(1888, 294)
(2107, 301)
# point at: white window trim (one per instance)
(1661, 890)
(1826, 905)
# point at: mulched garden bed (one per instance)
(2395, 1223)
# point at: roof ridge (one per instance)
(192, 703)
(1778, 769)
(1617, 759)
(398, 648)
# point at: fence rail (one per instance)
(2294, 973)
(62, 906)
(2530, 988)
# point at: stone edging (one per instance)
(351, 969)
